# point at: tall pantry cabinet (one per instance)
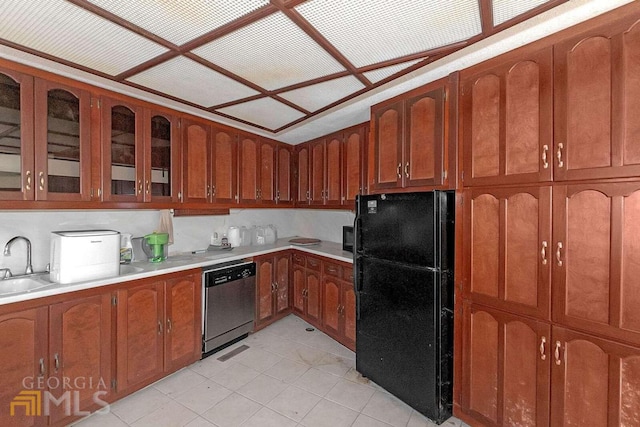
(551, 300)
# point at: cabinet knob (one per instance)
(559, 155)
(28, 184)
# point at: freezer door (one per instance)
(400, 343)
(399, 227)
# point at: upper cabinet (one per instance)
(353, 163)
(507, 114)
(284, 194)
(162, 157)
(597, 100)
(409, 134)
(267, 186)
(123, 178)
(249, 173)
(302, 174)
(196, 158)
(225, 166)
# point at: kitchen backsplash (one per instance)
(190, 233)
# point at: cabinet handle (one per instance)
(545, 153)
(41, 181)
(543, 341)
(559, 254)
(28, 173)
(278, 195)
(99, 192)
(398, 170)
(406, 170)
(168, 326)
(139, 186)
(213, 190)
(180, 195)
(56, 362)
(208, 190)
(159, 327)
(42, 368)
(148, 186)
(307, 194)
(257, 196)
(543, 252)
(559, 155)
(331, 270)
(557, 353)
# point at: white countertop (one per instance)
(181, 262)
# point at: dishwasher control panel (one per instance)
(223, 273)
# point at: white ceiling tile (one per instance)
(314, 97)
(61, 29)
(265, 112)
(203, 86)
(180, 21)
(370, 31)
(382, 73)
(503, 10)
(272, 52)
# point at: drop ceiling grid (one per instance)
(186, 79)
(375, 76)
(266, 112)
(314, 97)
(368, 32)
(504, 10)
(180, 21)
(272, 53)
(66, 31)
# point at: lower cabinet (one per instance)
(339, 303)
(306, 288)
(158, 328)
(272, 288)
(522, 372)
(60, 357)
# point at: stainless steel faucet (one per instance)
(7, 251)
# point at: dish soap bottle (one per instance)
(126, 248)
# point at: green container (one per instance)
(156, 242)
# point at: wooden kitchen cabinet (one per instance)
(302, 156)
(196, 158)
(307, 292)
(338, 303)
(24, 344)
(317, 172)
(596, 258)
(284, 193)
(409, 139)
(597, 99)
(80, 347)
(507, 115)
(162, 155)
(506, 368)
(268, 173)
(272, 288)
(354, 163)
(249, 169)
(508, 253)
(225, 166)
(123, 177)
(325, 166)
(158, 328)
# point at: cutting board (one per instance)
(304, 241)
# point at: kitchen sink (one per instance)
(129, 269)
(23, 284)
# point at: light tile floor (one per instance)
(287, 377)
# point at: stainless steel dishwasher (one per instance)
(229, 304)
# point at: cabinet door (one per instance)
(353, 164)
(17, 173)
(196, 157)
(507, 113)
(80, 345)
(140, 334)
(265, 289)
(331, 305)
(122, 151)
(597, 257)
(283, 184)
(63, 142)
(267, 189)
(313, 296)
(387, 146)
(183, 323)
(333, 170)
(249, 168)
(302, 177)
(594, 381)
(299, 282)
(508, 254)
(505, 368)
(162, 157)
(282, 273)
(23, 355)
(317, 173)
(597, 97)
(225, 166)
(424, 139)
(349, 315)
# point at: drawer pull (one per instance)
(543, 355)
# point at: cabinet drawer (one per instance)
(347, 274)
(332, 269)
(313, 263)
(299, 259)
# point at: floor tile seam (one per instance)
(360, 411)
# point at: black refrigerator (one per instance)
(403, 263)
